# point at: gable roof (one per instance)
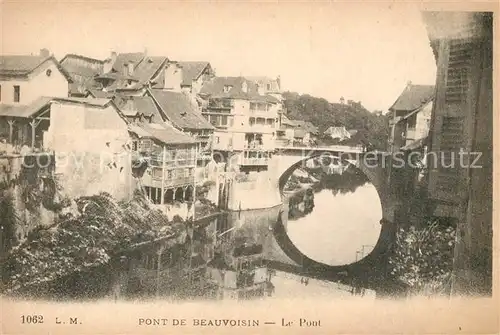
(178, 108)
(23, 65)
(82, 73)
(125, 58)
(30, 110)
(101, 94)
(286, 121)
(191, 71)
(215, 88)
(307, 126)
(161, 132)
(133, 105)
(413, 97)
(145, 69)
(149, 67)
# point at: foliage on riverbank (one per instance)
(97, 228)
(372, 128)
(423, 258)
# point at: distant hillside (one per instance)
(372, 128)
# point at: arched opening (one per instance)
(169, 196)
(333, 210)
(179, 194)
(188, 193)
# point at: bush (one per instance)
(423, 258)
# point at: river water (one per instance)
(337, 224)
(341, 228)
(333, 220)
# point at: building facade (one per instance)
(410, 115)
(245, 118)
(462, 119)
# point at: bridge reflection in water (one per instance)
(254, 253)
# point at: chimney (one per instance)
(408, 83)
(278, 81)
(130, 68)
(45, 53)
(108, 63)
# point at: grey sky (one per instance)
(359, 51)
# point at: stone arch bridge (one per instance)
(368, 271)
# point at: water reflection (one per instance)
(223, 257)
(340, 224)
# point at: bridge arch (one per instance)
(373, 166)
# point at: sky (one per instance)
(363, 52)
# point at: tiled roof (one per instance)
(23, 65)
(215, 88)
(28, 111)
(262, 80)
(162, 132)
(85, 58)
(149, 67)
(307, 126)
(191, 71)
(180, 110)
(286, 121)
(83, 75)
(101, 94)
(132, 105)
(413, 97)
(124, 58)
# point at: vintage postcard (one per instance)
(247, 168)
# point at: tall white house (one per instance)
(245, 115)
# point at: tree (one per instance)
(353, 116)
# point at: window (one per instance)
(223, 120)
(0, 92)
(17, 93)
(268, 87)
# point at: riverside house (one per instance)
(245, 117)
(23, 80)
(410, 116)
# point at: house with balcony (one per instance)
(166, 158)
(410, 115)
(24, 80)
(180, 111)
(245, 118)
